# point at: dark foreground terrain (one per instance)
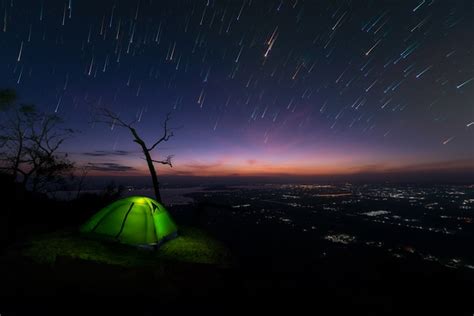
(332, 262)
(366, 281)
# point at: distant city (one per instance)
(432, 223)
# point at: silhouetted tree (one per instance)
(112, 191)
(80, 180)
(7, 98)
(29, 147)
(105, 115)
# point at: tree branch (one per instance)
(167, 133)
(107, 116)
(167, 161)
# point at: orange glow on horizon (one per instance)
(224, 167)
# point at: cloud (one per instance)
(109, 167)
(205, 166)
(105, 153)
(179, 173)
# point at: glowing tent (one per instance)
(134, 220)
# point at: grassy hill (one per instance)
(192, 246)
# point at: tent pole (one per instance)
(124, 219)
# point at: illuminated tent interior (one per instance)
(134, 220)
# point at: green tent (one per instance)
(134, 220)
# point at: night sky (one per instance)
(255, 87)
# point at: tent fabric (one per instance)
(134, 220)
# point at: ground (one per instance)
(68, 265)
(192, 246)
(195, 269)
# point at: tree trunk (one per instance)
(24, 182)
(151, 166)
(16, 163)
(154, 178)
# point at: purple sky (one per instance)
(255, 87)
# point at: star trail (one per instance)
(253, 87)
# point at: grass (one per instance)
(191, 246)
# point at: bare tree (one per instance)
(80, 183)
(109, 117)
(7, 98)
(30, 143)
